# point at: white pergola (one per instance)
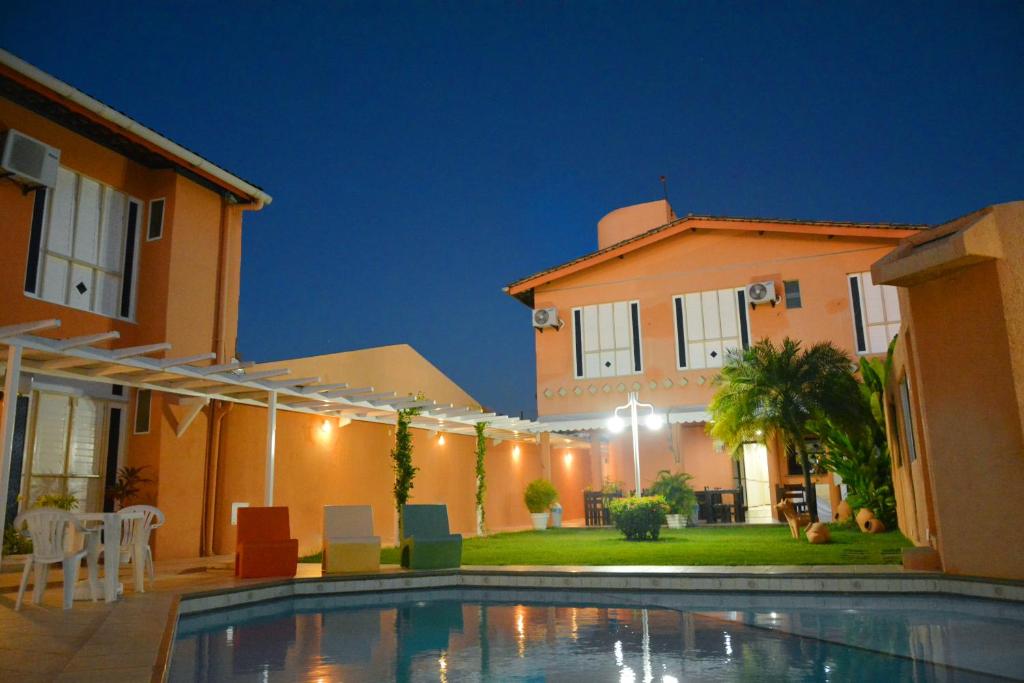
(194, 376)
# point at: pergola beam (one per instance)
(28, 328)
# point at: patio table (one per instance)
(111, 530)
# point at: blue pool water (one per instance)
(450, 635)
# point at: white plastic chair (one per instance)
(137, 532)
(48, 529)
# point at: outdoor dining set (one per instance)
(64, 538)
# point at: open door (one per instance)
(755, 483)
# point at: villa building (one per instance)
(659, 304)
(119, 277)
(957, 436)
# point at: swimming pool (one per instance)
(458, 634)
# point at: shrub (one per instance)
(15, 542)
(675, 489)
(640, 519)
(540, 495)
(61, 501)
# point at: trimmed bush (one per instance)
(640, 519)
(540, 495)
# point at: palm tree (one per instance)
(770, 390)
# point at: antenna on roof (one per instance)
(669, 213)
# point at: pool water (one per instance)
(471, 635)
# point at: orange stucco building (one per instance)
(137, 236)
(956, 397)
(656, 307)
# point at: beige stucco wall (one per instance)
(399, 368)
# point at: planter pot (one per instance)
(540, 520)
(675, 521)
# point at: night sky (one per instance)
(423, 155)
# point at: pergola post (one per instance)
(268, 493)
(10, 409)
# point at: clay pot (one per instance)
(863, 515)
(843, 512)
(818, 533)
(873, 526)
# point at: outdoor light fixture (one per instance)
(440, 440)
(568, 458)
(325, 428)
(515, 451)
(616, 424)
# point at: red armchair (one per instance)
(264, 547)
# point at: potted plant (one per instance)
(540, 495)
(676, 490)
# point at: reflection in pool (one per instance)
(453, 635)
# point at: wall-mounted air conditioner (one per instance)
(29, 161)
(762, 293)
(546, 317)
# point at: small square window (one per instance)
(792, 293)
(155, 230)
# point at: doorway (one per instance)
(755, 483)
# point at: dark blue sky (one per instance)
(423, 155)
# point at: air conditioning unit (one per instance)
(546, 317)
(28, 160)
(761, 293)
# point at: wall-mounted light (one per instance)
(515, 452)
(440, 439)
(325, 427)
(567, 458)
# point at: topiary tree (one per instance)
(640, 519)
(481, 476)
(540, 495)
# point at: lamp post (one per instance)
(616, 424)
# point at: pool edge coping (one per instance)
(932, 583)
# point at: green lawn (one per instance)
(698, 546)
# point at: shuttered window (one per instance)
(67, 449)
(86, 250)
(708, 325)
(908, 419)
(876, 313)
(606, 340)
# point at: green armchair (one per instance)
(426, 541)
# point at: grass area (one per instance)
(737, 545)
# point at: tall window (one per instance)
(908, 419)
(68, 454)
(606, 340)
(708, 324)
(83, 246)
(876, 313)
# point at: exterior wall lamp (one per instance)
(652, 420)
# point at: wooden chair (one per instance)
(794, 493)
(264, 547)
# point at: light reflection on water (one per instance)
(452, 639)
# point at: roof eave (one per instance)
(45, 83)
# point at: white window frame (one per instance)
(72, 261)
(636, 351)
(149, 218)
(743, 313)
(891, 325)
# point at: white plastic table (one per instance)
(111, 549)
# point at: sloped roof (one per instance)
(522, 289)
(48, 96)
